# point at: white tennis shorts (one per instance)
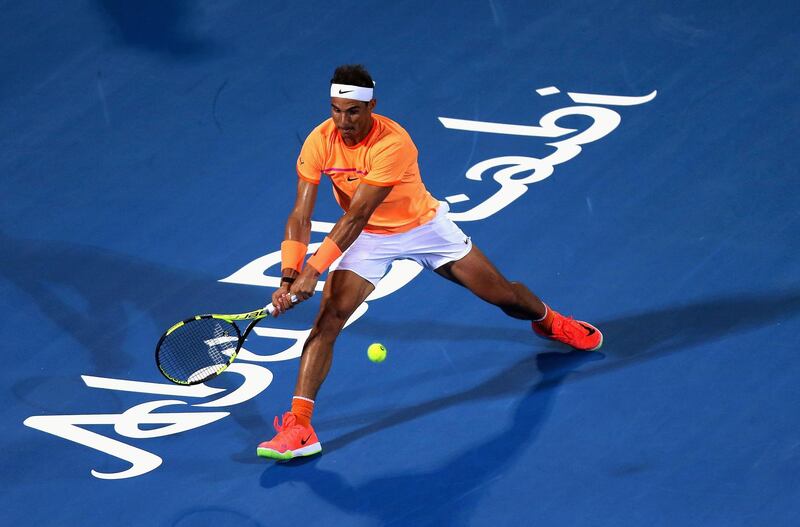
(432, 245)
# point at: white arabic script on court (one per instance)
(513, 173)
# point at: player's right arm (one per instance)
(298, 229)
(298, 225)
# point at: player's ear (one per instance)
(371, 104)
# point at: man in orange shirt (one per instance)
(389, 215)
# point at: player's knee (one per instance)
(323, 332)
(331, 320)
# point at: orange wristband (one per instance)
(292, 255)
(327, 253)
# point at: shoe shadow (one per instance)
(437, 496)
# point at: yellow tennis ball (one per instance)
(376, 352)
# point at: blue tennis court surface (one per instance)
(633, 163)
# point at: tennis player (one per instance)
(388, 215)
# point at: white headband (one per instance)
(346, 91)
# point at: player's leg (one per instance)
(344, 291)
(475, 272)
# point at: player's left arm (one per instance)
(365, 200)
(388, 162)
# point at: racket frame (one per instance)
(254, 316)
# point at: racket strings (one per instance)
(196, 350)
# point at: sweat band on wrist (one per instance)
(347, 91)
(327, 253)
(292, 254)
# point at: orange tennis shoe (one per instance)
(576, 333)
(292, 440)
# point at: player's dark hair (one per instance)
(354, 75)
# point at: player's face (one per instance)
(352, 118)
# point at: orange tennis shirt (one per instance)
(386, 157)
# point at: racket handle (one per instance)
(271, 309)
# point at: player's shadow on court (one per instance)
(437, 496)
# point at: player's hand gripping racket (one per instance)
(200, 348)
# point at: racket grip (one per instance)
(271, 309)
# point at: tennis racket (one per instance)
(201, 347)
